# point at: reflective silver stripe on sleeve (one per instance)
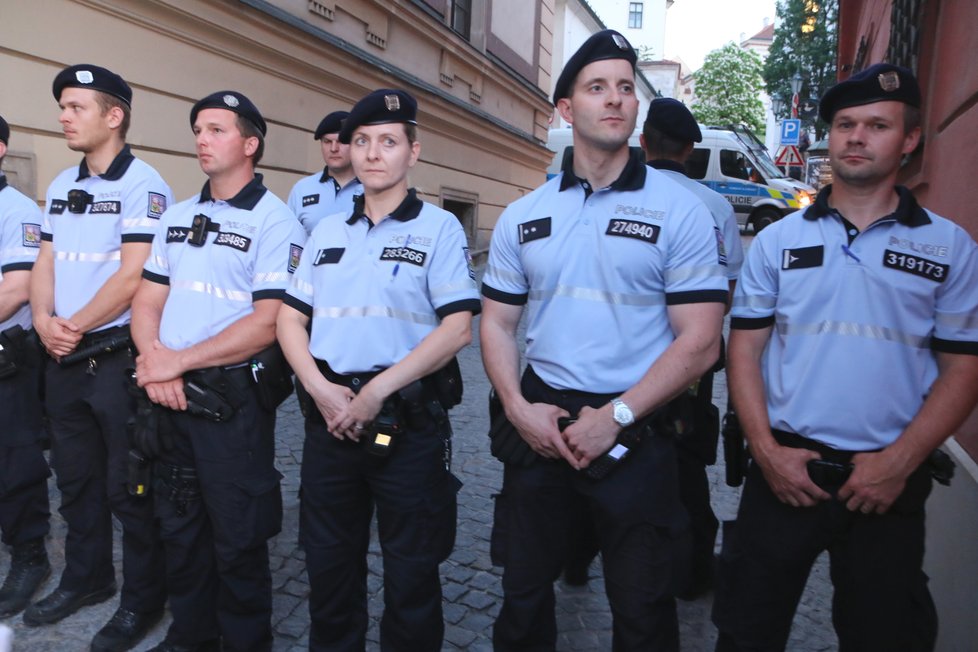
(852, 329)
(376, 311)
(693, 273)
(601, 296)
(305, 288)
(161, 262)
(755, 302)
(966, 321)
(18, 252)
(271, 277)
(505, 275)
(207, 288)
(82, 257)
(132, 222)
(452, 289)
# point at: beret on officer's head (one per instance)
(4, 131)
(331, 124)
(230, 101)
(880, 82)
(606, 44)
(672, 118)
(382, 106)
(97, 78)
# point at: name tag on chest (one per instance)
(633, 229)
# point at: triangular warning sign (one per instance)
(790, 156)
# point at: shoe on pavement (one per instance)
(124, 630)
(29, 567)
(61, 603)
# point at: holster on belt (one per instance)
(213, 394)
(13, 350)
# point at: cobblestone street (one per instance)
(472, 590)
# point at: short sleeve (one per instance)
(20, 236)
(504, 280)
(279, 254)
(145, 202)
(451, 279)
(956, 319)
(693, 272)
(756, 295)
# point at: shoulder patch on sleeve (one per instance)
(157, 205)
(721, 246)
(295, 253)
(32, 235)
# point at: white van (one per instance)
(731, 161)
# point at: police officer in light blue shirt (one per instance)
(668, 136)
(853, 355)
(98, 225)
(332, 191)
(24, 472)
(390, 295)
(619, 269)
(204, 324)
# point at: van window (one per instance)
(697, 163)
(734, 164)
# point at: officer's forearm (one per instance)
(500, 353)
(238, 342)
(14, 292)
(689, 356)
(747, 391)
(115, 295)
(42, 285)
(430, 355)
(147, 311)
(292, 336)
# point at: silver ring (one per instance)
(358, 427)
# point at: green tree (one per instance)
(806, 42)
(728, 89)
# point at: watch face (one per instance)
(623, 414)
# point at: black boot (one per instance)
(29, 567)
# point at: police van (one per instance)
(731, 161)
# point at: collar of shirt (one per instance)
(408, 209)
(119, 165)
(325, 176)
(3, 180)
(632, 177)
(666, 164)
(908, 212)
(246, 199)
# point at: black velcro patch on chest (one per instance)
(633, 229)
(404, 255)
(329, 256)
(310, 200)
(106, 208)
(233, 240)
(534, 230)
(915, 265)
(58, 206)
(802, 257)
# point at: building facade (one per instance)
(934, 38)
(477, 67)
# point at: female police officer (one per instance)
(390, 294)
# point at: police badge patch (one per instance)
(889, 81)
(392, 102)
(295, 253)
(468, 261)
(230, 100)
(157, 204)
(32, 235)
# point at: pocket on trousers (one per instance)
(500, 529)
(441, 509)
(253, 512)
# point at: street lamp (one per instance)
(795, 82)
(777, 103)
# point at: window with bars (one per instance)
(635, 15)
(462, 17)
(904, 46)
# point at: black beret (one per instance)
(672, 118)
(230, 101)
(88, 76)
(380, 107)
(881, 82)
(606, 44)
(4, 131)
(331, 124)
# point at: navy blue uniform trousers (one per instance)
(24, 509)
(415, 497)
(881, 602)
(216, 543)
(88, 410)
(640, 524)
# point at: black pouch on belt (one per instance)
(13, 341)
(505, 442)
(272, 376)
(211, 394)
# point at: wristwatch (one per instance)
(623, 414)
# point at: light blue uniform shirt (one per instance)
(125, 206)
(20, 241)
(720, 209)
(857, 317)
(597, 271)
(374, 292)
(251, 251)
(318, 195)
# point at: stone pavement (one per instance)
(472, 591)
